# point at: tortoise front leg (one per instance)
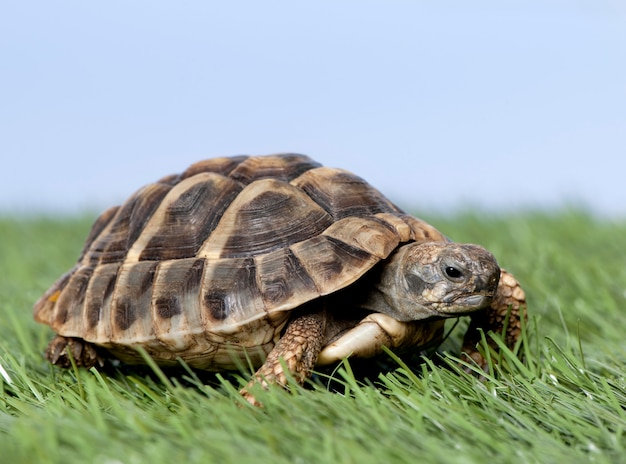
(297, 350)
(84, 353)
(509, 297)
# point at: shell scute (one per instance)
(222, 165)
(343, 194)
(69, 305)
(422, 231)
(370, 234)
(267, 214)
(176, 287)
(185, 218)
(332, 263)
(131, 302)
(125, 227)
(283, 281)
(176, 309)
(46, 305)
(280, 167)
(229, 294)
(97, 228)
(98, 296)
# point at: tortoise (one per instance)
(275, 260)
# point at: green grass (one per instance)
(566, 402)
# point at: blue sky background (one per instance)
(440, 105)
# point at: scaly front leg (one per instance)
(297, 350)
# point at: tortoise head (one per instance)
(437, 279)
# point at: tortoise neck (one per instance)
(388, 292)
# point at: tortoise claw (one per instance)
(249, 397)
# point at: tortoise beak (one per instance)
(467, 304)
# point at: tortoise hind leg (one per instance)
(84, 353)
(510, 299)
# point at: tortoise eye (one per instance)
(453, 272)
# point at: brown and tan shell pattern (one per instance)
(207, 264)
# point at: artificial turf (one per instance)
(565, 401)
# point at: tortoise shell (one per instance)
(207, 265)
